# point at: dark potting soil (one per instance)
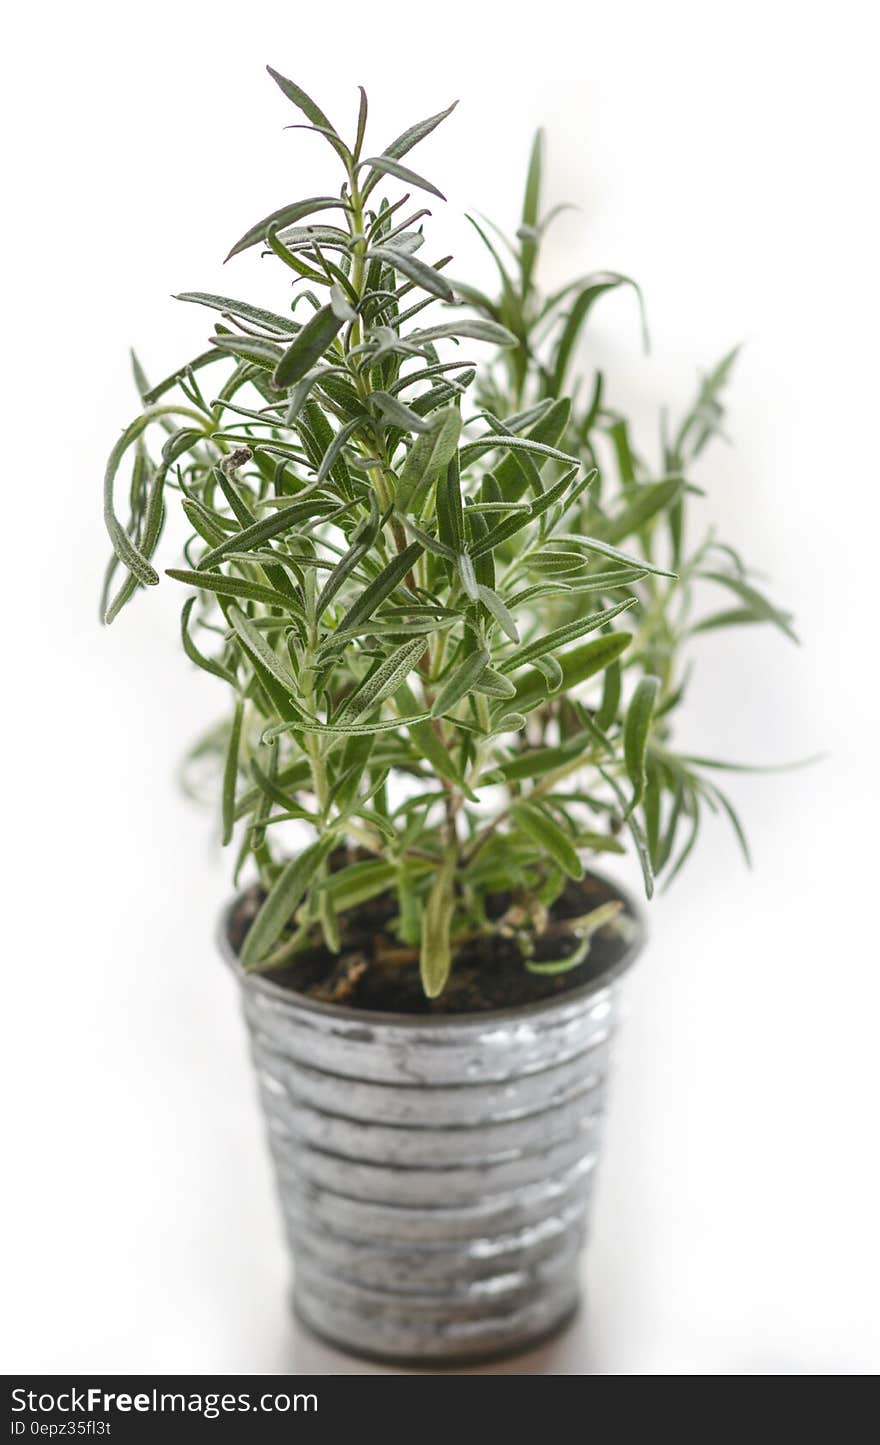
(373, 971)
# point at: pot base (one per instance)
(440, 1363)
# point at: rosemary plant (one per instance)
(448, 601)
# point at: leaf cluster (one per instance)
(447, 599)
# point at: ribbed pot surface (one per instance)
(435, 1173)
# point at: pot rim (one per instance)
(344, 1013)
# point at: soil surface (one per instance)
(374, 971)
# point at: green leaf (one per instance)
(729, 617)
(552, 672)
(507, 507)
(531, 202)
(435, 958)
(593, 288)
(511, 525)
(537, 824)
(535, 762)
(600, 842)
(430, 543)
(596, 582)
(361, 125)
(126, 550)
(478, 528)
(508, 722)
(381, 587)
(340, 574)
(468, 575)
(291, 257)
(208, 664)
(340, 303)
(140, 376)
(312, 112)
(513, 443)
(510, 307)
(285, 216)
(459, 682)
(429, 744)
(555, 561)
(636, 728)
(428, 456)
(255, 838)
(329, 923)
(344, 729)
(652, 803)
(529, 472)
(450, 518)
(584, 928)
(307, 348)
(235, 587)
(698, 762)
(397, 413)
(472, 330)
(492, 602)
(404, 143)
(257, 647)
(636, 833)
(269, 786)
(283, 898)
(646, 501)
(577, 665)
(154, 517)
(626, 461)
(756, 604)
(299, 396)
(384, 682)
(265, 354)
(492, 684)
(704, 419)
(149, 398)
(415, 270)
(549, 428)
(230, 774)
(356, 755)
(689, 845)
(280, 784)
(301, 100)
(734, 820)
(358, 883)
(397, 627)
(181, 441)
(409, 920)
(610, 698)
(332, 462)
(551, 967)
(269, 320)
(594, 544)
(561, 635)
(389, 166)
(270, 526)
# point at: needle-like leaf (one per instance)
(286, 892)
(636, 731)
(308, 347)
(537, 823)
(284, 216)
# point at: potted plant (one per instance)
(447, 603)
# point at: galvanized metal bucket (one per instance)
(434, 1173)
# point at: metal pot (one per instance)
(434, 1173)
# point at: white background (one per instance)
(725, 155)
